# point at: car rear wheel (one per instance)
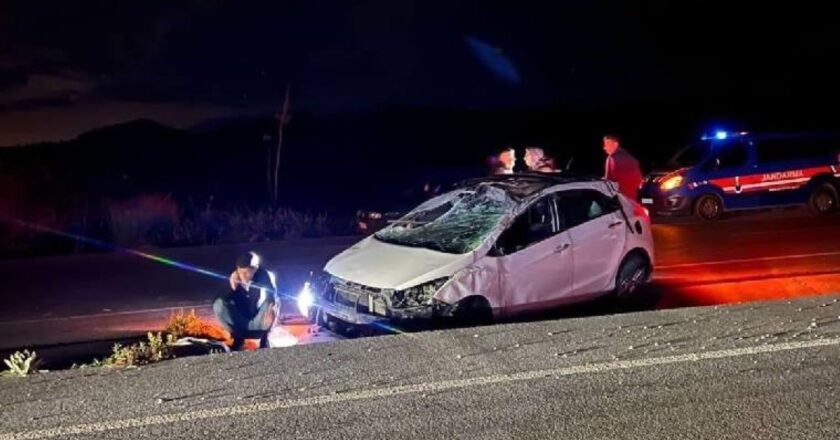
(633, 273)
(708, 208)
(823, 199)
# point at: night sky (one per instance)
(70, 66)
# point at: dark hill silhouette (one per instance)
(348, 161)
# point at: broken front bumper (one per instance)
(352, 316)
(362, 306)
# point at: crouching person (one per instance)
(247, 307)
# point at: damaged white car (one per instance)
(495, 247)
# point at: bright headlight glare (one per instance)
(671, 183)
(305, 299)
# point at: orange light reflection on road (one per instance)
(748, 291)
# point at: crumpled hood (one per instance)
(382, 265)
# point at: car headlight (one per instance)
(418, 295)
(671, 183)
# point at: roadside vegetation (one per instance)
(187, 324)
(156, 347)
(155, 220)
(22, 364)
(161, 346)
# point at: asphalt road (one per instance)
(747, 257)
(752, 371)
(56, 287)
(59, 300)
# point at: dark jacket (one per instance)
(247, 301)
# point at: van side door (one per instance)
(729, 169)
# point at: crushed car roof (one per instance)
(523, 185)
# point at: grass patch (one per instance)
(159, 346)
(156, 348)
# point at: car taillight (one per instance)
(671, 182)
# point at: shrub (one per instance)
(22, 364)
(155, 349)
(183, 324)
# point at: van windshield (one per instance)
(689, 156)
(455, 223)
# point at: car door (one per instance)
(731, 169)
(598, 231)
(535, 259)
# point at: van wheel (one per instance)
(632, 274)
(473, 311)
(708, 208)
(823, 199)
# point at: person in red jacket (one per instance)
(622, 168)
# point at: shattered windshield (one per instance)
(454, 223)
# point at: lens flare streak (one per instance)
(166, 261)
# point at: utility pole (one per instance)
(282, 120)
(269, 159)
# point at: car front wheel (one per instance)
(708, 208)
(472, 311)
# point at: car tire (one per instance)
(632, 274)
(823, 199)
(708, 208)
(472, 311)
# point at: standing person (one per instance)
(505, 162)
(537, 161)
(246, 307)
(622, 168)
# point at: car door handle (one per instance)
(561, 248)
(616, 223)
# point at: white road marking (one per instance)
(749, 260)
(431, 387)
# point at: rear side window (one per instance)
(579, 207)
(781, 150)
